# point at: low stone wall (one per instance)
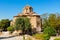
(7, 34)
(4, 34)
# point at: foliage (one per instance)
(41, 36)
(10, 28)
(49, 30)
(52, 20)
(57, 39)
(58, 25)
(4, 23)
(44, 21)
(23, 24)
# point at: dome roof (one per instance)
(27, 9)
(27, 6)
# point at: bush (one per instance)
(10, 28)
(42, 36)
(50, 30)
(57, 39)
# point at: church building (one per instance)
(35, 19)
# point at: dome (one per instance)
(27, 9)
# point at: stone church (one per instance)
(35, 19)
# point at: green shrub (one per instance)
(10, 28)
(50, 30)
(42, 36)
(57, 39)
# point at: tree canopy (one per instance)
(23, 23)
(4, 23)
(52, 20)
